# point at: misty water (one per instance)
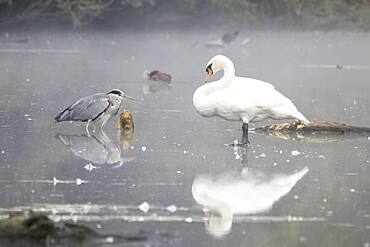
(176, 175)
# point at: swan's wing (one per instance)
(254, 98)
(250, 93)
(253, 82)
(264, 94)
(276, 104)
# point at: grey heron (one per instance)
(97, 108)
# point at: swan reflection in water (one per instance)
(96, 148)
(239, 193)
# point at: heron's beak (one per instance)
(209, 75)
(128, 97)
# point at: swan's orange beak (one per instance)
(209, 74)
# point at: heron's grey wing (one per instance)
(90, 107)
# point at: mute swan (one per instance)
(242, 99)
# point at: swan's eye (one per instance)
(209, 67)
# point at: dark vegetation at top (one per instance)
(308, 14)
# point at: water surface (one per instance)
(177, 176)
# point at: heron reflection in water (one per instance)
(96, 148)
(239, 193)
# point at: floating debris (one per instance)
(320, 132)
(144, 207)
(171, 208)
(157, 75)
(215, 44)
(125, 129)
(295, 153)
(188, 219)
(245, 41)
(41, 51)
(344, 225)
(335, 66)
(19, 40)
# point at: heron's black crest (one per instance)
(117, 92)
(209, 67)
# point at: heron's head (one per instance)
(217, 63)
(120, 93)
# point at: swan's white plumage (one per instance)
(241, 99)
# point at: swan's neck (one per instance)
(209, 88)
(229, 71)
(201, 98)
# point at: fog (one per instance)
(146, 183)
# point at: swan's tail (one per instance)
(300, 117)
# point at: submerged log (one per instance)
(320, 132)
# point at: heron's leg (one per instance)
(104, 121)
(87, 127)
(245, 139)
(94, 125)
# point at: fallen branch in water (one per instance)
(321, 132)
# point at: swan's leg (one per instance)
(244, 156)
(245, 139)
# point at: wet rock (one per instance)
(125, 129)
(36, 226)
(29, 229)
(27, 224)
